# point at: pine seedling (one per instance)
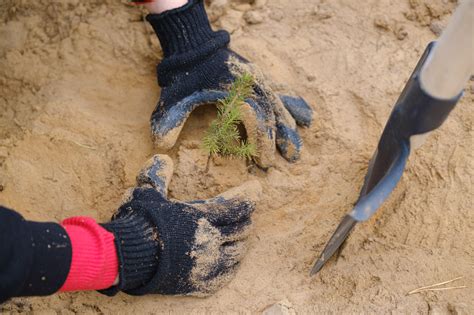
(223, 137)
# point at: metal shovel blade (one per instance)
(414, 113)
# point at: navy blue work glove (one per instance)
(179, 248)
(198, 68)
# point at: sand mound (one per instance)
(77, 86)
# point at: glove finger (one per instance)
(226, 267)
(217, 279)
(236, 232)
(156, 173)
(167, 123)
(221, 212)
(288, 140)
(239, 203)
(233, 206)
(299, 109)
(230, 257)
(233, 253)
(258, 125)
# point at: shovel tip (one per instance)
(317, 266)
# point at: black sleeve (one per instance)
(34, 257)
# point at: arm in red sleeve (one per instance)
(41, 258)
(94, 263)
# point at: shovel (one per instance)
(430, 94)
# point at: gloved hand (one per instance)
(173, 247)
(198, 68)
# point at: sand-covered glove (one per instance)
(198, 68)
(173, 247)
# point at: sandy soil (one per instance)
(77, 86)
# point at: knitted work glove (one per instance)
(198, 68)
(173, 247)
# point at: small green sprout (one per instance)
(223, 137)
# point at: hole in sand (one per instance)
(197, 124)
(194, 178)
(199, 121)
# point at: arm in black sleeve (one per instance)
(34, 257)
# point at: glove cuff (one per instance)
(186, 37)
(183, 29)
(137, 243)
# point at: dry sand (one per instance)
(77, 87)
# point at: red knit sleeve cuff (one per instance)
(94, 263)
(141, 1)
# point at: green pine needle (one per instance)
(223, 138)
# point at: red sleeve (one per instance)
(94, 263)
(141, 1)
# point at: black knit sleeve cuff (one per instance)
(137, 243)
(186, 35)
(182, 29)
